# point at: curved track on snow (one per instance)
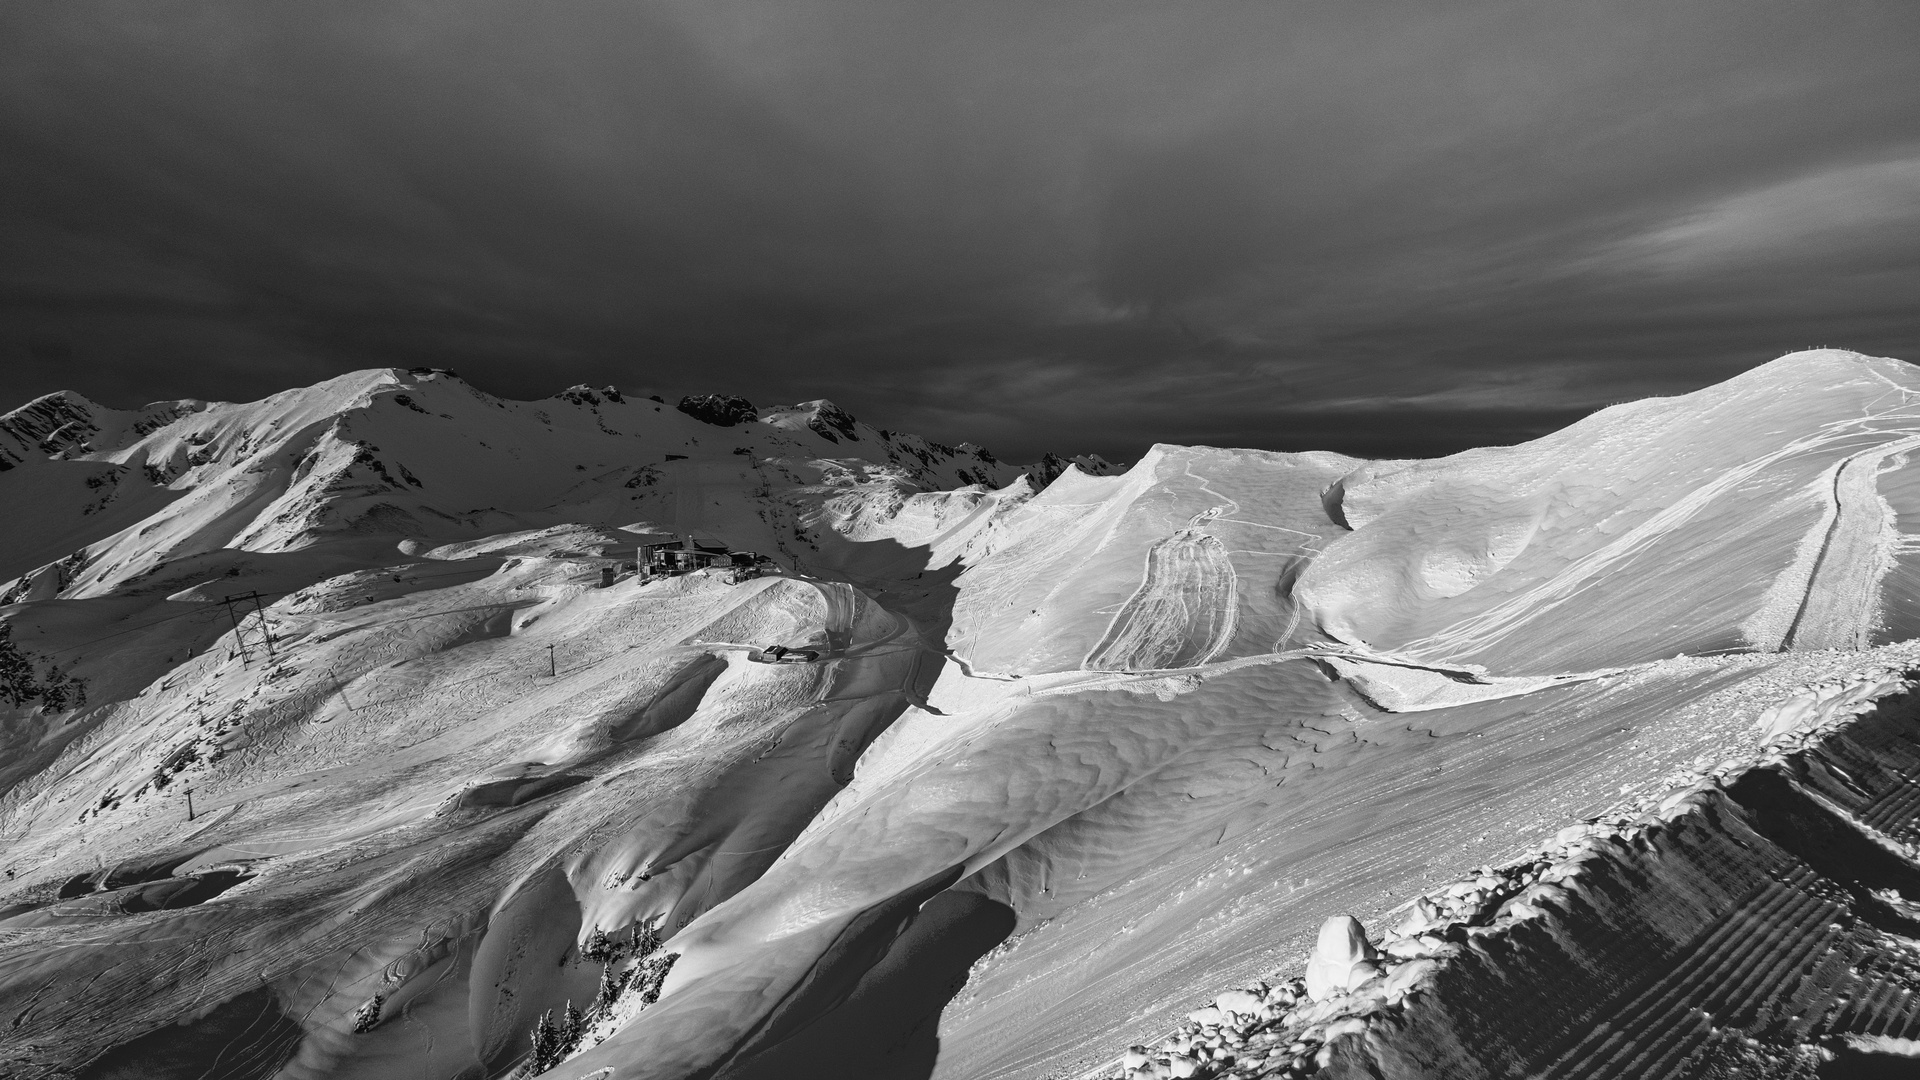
(1181, 616)
(1842, 597)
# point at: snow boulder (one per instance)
(1342, 958)
(1238, 1003)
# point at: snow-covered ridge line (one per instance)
(1825, 790)
(57, 424)
(65, 424)
(421, 455)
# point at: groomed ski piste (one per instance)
(1064, 763)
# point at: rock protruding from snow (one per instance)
(822, 417)
(1050, 466)
(47, 425)
(63, 424)
(720, 410)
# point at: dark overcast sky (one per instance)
(1389, 228)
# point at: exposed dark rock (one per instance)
(585, 395)
(829, 418)
(48, 424)
(1047, 469)
(719, 410)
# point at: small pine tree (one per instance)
(367, 1016)
(612, 981)
(572, 1026)
(644, 940)
(56, 691)
(599, 948)
(546, 1045)
(552, 1041)
(653, 971)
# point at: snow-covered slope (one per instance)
(1068, 754)
(423, 455)
(1769, 485)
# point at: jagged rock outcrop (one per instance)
(64, 423)
(719, 409)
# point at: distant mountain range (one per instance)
(420, 454)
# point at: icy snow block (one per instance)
(1342, 946)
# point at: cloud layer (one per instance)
(1385, 228)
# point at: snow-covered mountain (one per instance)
(423, 455)
(1057, 758)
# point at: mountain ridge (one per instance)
(972, 784)
(278, 473)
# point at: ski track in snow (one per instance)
(1841, 603)
(1181, 616)
(1484, 629)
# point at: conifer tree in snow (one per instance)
(572, 1026)
(59, 691)
(17, 684)
(62, 691)
(546, 1045)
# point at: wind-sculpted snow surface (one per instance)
(1727, 496)
(1755, 919)
(1147, 564)
(1036, 771)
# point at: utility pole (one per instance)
(340, 689)
(266, 632)
(246, 658)
(239, 619)
(553, 668)
(189, 804)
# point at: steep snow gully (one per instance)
(1191, 757)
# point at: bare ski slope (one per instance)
(1065, 763)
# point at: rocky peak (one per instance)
(588, 396)
(822, 417)
(48, 425)
(720, 410)
(1050, 466)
